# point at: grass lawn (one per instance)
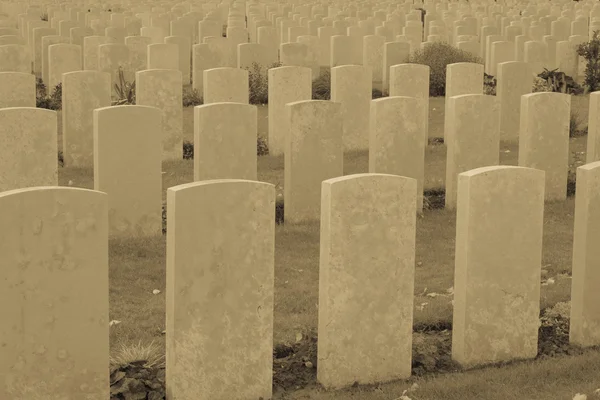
(137, 267)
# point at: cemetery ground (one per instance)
(137, 268)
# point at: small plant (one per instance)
(61, 159)
(590, 51)
(44, 17)
(489, 85)
(321, 87)
(540, 85)
(574, 126)
(262, 148)
(42, 100)
(437, 56)
(125, 91)
(151, 355)
(560, 82)
(191, 97)
(188, 150)
(258, 80)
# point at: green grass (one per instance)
(137, 267)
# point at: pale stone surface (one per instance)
(351, 86)
(394, 53)
(365, 314)
(127, 166)
(373, 55)
(514, 80)
(163, 56)
(38, 34)
(226, 85)
(82, 93)
(502, 51)
(313, 153)
(412, 80)
(138, 52)
(498, 265)
(62, 58)
(162, 88)
(473, 139)
(28, 148)
(220, 278)
(18, 89)
(90, 50)
(346, 50)
(286, 85)
(544, 139)
(15, 58)
(225, 138)
(397, 140)
(111, 57)
(204, 57)
(462, 78)
(54, 294)
(185, 56)
(585, 297)
(593, 137)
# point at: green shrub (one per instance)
(191, 97)
(42, 100)
(590, 51)
(125, 91)
(437, 56)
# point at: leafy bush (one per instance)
(559, 82)
(125, 91)
(590, 51)
(437, 56)
(258, 80)
(188, 150)
(489, 84)
(321, 87)
(575, 125)
(191, 97)
(42, 100)
(262, 148)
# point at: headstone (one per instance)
(365, 314)
(82, 93)
(185, 55)
(412, 80)
(226, 137)
(397, 140)
(593, 136)
(162, 88)
(221, 290)
(497, 292)
(544, 139)
(394, 53)
(138, 52)
(62, 58)
(514, 80)
(226, 85)
(15, 58)
(351, 86)
(28, 148)
(473, 139)
(90, 51)
(585, 300)
(163, 56)
(18, 89)
(286, 85)
(111, 58)
(54, 293)
(346, 50)
(313, 153)
(133, 183)
(462, 78)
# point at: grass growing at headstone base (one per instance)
(137, 266)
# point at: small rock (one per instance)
(308, 364)
(419, 264)
(114, 322)
(155, 291)
(544, 272)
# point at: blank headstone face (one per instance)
(473, 138)
(113, 56)
(295, 54)
(286, 85)
(351, 86)
(250, 53)
(497, 292)
(346, 50)
(90, 50)
(185, 55)
(204, 57)
(397, 140)
(585, 300)
(373, 55)
(514, 80)
(226, 85)
(365, 314)
(544, 139)
(220, 262)
(394, 53)
(502, 51)
(313, 153)
(15, 58)
(54, 293)
(157, 35)
(127, 166)
(62, 58)
(225, 134)
(28, 148)
(162, 88)
(82, 93)
(12, 39)
(163, 56)
(18, 89)
(138, 52)
(462, 78)
(38, 34)
(411, 80)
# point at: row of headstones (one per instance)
(54, 242)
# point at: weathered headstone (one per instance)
(18, 89)
(226, 85)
